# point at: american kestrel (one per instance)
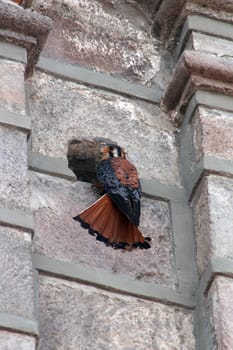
(114, 217)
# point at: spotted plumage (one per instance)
(114, 218)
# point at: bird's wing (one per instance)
(120, 181)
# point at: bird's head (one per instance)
(111, 151)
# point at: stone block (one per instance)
(220, 313)
(75, 316)
(16, 271)
(111, 36)
(214, 45)
(10, 341)
(56, 201)
(212, 133)
(62, 111)
(14, 189)
(12, 91)
(212, 208)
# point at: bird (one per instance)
(114, 217)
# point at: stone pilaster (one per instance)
(22, 34)
(199, 100)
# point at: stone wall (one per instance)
(63, 107)
(17, 298)
(202, 105)
(97, 71)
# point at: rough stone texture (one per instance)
(218, 5)
(171, 16)
(212, 133)
(13, 341)
(196, 70)
(16, 287)
(112, 36)
(62, 111)
(206, 43)
(12, 91)
(55, 202)
(201, 225)
(221, 215)
(195, 131)
(135, 324)
(27, 28)
(14, 186)
(220, 304)
(213, 219)
(208, 134)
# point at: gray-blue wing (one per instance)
(120, 181)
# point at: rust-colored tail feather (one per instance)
(105, 221)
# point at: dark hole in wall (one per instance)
(84, 156)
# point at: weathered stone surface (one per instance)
(16, 287)
(28, 29)
(213, 219)
(12, 91)
(170, 16)
(14, 189)
(135, 324)
(11, 341)
(55, 202)
(212, 133)
(196, 70)
(221, 215)
(112, 36)
(201, 225)
(215, 45)
(195, 137)
(207, 136)
(62, 111)
(221, 310)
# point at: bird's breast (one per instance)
(125, 172)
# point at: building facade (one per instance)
(156, 77)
